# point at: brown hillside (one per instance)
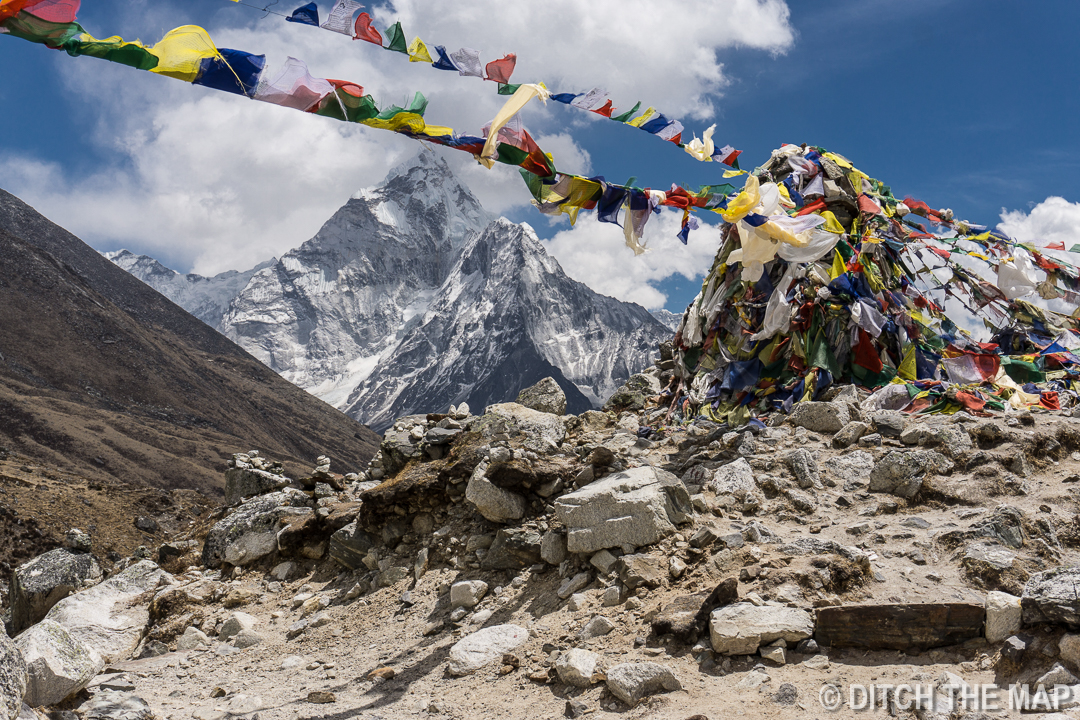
(102, 376)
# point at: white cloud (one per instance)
(595, 254)
(1055, 219)
(206, 181)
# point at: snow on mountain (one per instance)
(669, 319)
(412, 297)
(507, 316)
(207, 298)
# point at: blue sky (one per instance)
(970, 104)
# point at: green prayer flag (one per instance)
(508, 89)
(628, 114)
(396, 38)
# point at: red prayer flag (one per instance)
(867, 205)
(606, 112)
(501, 70)
(1059, 245)
(364, 31)
(1049, 400)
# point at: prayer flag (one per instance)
(305, 15)
(467, 62)
(364, 31)
(501, 70)
(340, 19)
(395, 39)
(418, 51)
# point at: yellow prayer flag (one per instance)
(735, 173)
(840, 160)
(831, 223)
(838, 267)
(907, 365)
(181, 52)
(643, 118)
(418, 51)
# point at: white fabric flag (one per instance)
(467, 61)
(340, 19)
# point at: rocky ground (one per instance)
(526, 563)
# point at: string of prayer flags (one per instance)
(340, 18)
(305, 15)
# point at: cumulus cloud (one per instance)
(207, 182)
(595, 254)
(1053, 220)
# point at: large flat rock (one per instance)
(635, 508)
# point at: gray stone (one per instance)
(850, 434)
(597, 627)
(553, 547)
(1057, 675)
(902, 473)
(249, 528)
(474, 651)
(13, 678)
(577, 601)
(736, 480)
(115, 705)
(245, 482)
(742, 628)
(603, 561)
(820, 417)
(191, 639)
(786, 694)
(57, 663)
(1002, 616)
(803, 503)
(851, 467)
(572, 584)
(634, 393)
(513, 548)
(636, 507)
(1069, 648)
(888, 423)
(805, 469)
(493, 502)
(441, 436)
(111, 617)
(348, 547)
(987, 560)
(77, 540)
(247, 638)
(630, 682)
(917, 434)
(871, 440)
(704, 536)
(467, 593)
(576, 667)
(1051, 597)
(46, 580)
(545, 396)
(640, 571)
(235, 623)
(1013, 649)
(539, 431)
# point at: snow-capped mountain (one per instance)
(668, 319)
(207, 298)
(412, 297)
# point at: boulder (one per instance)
(537, 431)
(634, 392)
(191, 639)
(115, 705)
(1069, 648)
(736, 480)
(820, 417)
(889, 423)
(467, 593)
(640, 571)
(398, 447)
(630, 682)
(236, 623)
(250, 531)
(915, 626)
(245, 482)
(742, 628)
(852, 467)
(686, 616)
(545, 396)
(1002, 616)
(635, 508)
(111, 617)
(474, 651)
(513, 548)
(902, 473)
(850, 434)
(348, 547)
(553, 547)
(804, 468)
(1051, 597)
(491, 501)
(58, 664)
(987, 560)
(576, 667)
(13, 678)
(46, 580)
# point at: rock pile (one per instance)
(596, 553)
